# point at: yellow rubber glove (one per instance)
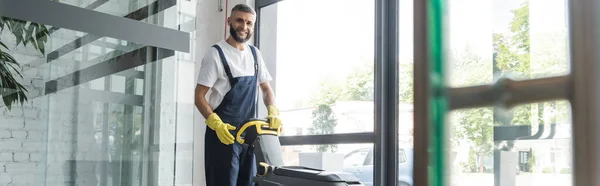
(273, 117)
(222, 129)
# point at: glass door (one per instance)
(95, 102)
(500, 92)
(318, 46)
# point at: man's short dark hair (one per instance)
(243, 8)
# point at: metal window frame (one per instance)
(579, 87)
(76, 18)
(386, 92)
(264, 3)
(510, 93)
(369, 137)
(421, 92)
(137, 15)
(116, 64)
(385, 134)
(584, 27)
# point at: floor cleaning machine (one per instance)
(270, 167)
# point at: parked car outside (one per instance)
(360, 163)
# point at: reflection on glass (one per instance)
(117, 8)
(405, 73)
(86, 121)
(335, 91)
(527, 145)
(406, 93)
(142, 10)
(520, 39)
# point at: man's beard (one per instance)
(237, 38)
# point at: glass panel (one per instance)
(520, 39)
(123, 143)
(139, 87)
(118, 8)
(406, 90)
(69, 55)
(85, 121)
(321, 89)
(118, 84)
(356, 159)
(144, 10)
(527, 145)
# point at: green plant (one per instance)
(531, 160)
(26, 33)
(10, 89)
(324, 122)
(323, 117)
(472, 161)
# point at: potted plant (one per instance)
(26, 33)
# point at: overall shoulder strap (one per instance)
(255, 77)
(224, 61)
(255, 60)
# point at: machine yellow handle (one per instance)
(259, 130)
(265, 169)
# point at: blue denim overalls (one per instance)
(231, 165)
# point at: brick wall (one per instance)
(36, 139)
(22, 132)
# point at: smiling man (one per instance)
(232, 70)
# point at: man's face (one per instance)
(241, 26)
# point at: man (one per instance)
(232, 70)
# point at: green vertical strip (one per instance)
(437, 100)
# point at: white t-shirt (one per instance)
(241, 63)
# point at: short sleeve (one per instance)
(264, 75)
(208, 74)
